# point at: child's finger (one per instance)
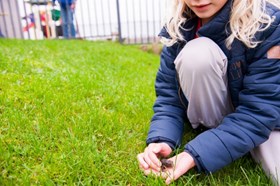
(142, 162)
(152, 171)
(152, 160)
(173, 174)
(164, 174)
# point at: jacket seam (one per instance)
(223, 144)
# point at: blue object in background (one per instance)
(1, 35)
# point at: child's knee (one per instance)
(198, 55)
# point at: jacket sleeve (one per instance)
(169, 113)
(256, 116)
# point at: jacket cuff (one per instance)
(212, 153)
(161, 140)
(199, 165)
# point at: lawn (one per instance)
(78, 112)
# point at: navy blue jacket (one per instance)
(254, 83)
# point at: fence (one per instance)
(129, 21)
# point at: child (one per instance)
(220, 69)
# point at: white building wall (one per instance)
(10, 20)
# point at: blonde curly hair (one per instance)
(247, 18)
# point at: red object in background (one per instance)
(31, 24)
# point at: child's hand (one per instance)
(150, 164)
(181, 164)
(149, 160)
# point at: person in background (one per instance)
(1, 35)
(219, 70)
(67, 15)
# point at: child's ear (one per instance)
(274, 52)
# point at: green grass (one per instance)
(78, 112)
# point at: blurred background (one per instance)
(126, 21)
